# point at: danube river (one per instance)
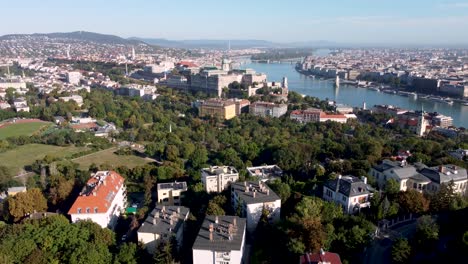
(353, 96)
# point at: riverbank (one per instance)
(391, 90)
(325, 89)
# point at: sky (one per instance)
(342, 21)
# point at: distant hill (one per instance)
(209, 44)
(79, 35)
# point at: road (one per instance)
(380, 249)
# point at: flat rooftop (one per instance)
(254, 192)
(217, 170)
(267, 171)
(227, 233)
(172, 186)
(164, 220)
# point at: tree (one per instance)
(444, 198)
(280, 188)
(392, 187)
(199, 157)
(55, 240)
(215, 205)
(164, 252)
(413, 201)
(401, 251)
(127, 254)
(5, 177)
(427, 233)
(25, 203)
(62, 191)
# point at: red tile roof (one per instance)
(188, 64)
(84, 126)
(99, 192)
(324, 115)
(326, 257)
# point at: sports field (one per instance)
(21, 156)
(108, 157)
(21, 128)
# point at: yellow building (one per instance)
(217, 107)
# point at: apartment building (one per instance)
(251, 199)
(265, 173)
(73, 77)
(316, 115)
(101, 200)
(171, 193)
(225, 109)
(218, 178)
(221, 240)
(163, 223)
(265, 109)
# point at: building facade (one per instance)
(251, 199)
(171, 193)
(265, 109)
(225, 109)
(350, 192)
(218, 178)
(102, 199)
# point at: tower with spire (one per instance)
(421, 129)
(133, 53)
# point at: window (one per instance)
(87, 210)
(79, 210)
(343, 198)
(95, 210)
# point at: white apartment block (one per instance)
(77, 98)
(350, 192)
(265, 173)
(251, 199)
(171, 193)
(163, 223)
(74, 78)
(102, 199)
(221, 240)
(264, 109)
(218, 178)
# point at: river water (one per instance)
(353, 96)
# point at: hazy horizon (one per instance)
(396, 22)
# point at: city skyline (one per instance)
(355, 22)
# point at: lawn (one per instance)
(108, 157)
(23, 129)
(21, 156)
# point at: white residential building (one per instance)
(404, 174)
(221, 240)
(102, 199)
(250, 199)
(77, 98)
(264, 109)
(171, 193)
(350, 192)
(21, 105)
(444, 174)
(218, 178)
(163, 223)
(265, 173)
(74, 78)
(4, 105)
